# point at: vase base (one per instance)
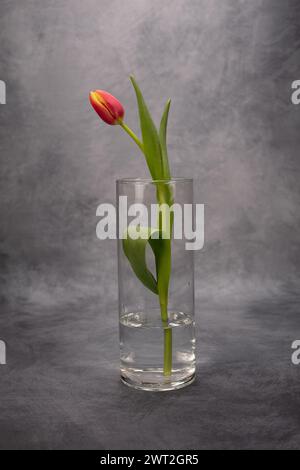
(163, 384)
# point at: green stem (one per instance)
(167, 335)
(132, 135)
(163, 278)
(167, 352)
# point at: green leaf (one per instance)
(135, 251)
(163, 140)
(150, 136)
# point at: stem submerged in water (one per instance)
(167, 352)
(167, 342)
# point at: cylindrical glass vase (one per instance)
(156, 283)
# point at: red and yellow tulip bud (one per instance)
(107, 107)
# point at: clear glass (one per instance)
(157, 349)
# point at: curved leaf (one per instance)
(135, 251)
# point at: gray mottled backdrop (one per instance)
(228, 66)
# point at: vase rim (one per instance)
(151, 181)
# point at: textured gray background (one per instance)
(228, 66)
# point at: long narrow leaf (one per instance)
(163, 140)
(150, 136)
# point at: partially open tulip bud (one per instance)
(107, 107)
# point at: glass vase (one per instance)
(156, 283)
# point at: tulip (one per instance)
(107, 107)
(154, 147)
